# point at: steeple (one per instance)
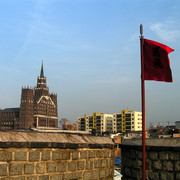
(42, 72)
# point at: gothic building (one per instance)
(38, 108)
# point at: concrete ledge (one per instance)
(52, 140)
(154, 144)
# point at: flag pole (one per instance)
(143, 107)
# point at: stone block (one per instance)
(89, 165)
(163, 156)
(177, 166)
(40, 168)
(112, 154)
(133, 154)
(106, 153)
(166, 175)
(18, 178)
(32, 178)
(167, 165)
(15, 169)
(153, 155)
(34, 156)
(148, 164)
(20, 156)
(3, 169)
(103, 161)
(5, 156)
(45, 156)
(99, 154)
(108, 162)
(61, 166)
(137, 163)
(95, 175)
(153, 175)
(97, 163)
(102, 173)
(75, 155)
(51, 167)
(66, 155)
(107, 172)
(157, 165)
(83, 154)
(80, 165)
(77, 175)
(45, 177)
(174, 156)
(92, 154)
(178, 176)
(87, 175)
(28, 168)
(127, 171)
(128, 163)
(72, 166)
(139, 154)
(55, 177)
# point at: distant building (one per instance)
(127, 121)
(66, 125)
(100, 123)
(177, 124)
(38, 108)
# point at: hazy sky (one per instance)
(91, 54)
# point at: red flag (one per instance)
(156, 61)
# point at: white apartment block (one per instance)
(100, 122)
(127, 121)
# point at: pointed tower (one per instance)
(45, 104)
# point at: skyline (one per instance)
(91, 54)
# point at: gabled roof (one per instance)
(11, 110)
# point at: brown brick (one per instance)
(32, 178)
(75, 155)
(102, 173)
(55, 177)
(106, 153)
(5, 156)
(51, 167)
(56, 155)
(167, 165)
(177, 166)
(40, 168)
(89, 165)
(45, 156)
(66, 155)
(88, 175)
(18, 178)
(44, 177)
(28, 168)
(95, 175)
(92, 154)
(20, 156)
(157, 165)
(34, 156)
(80, 165)
(103, 162)
(99, 154)
(61, 166)
(73, 176)
(97, 163)
(83, 154)
(72, 166)
(153, 155)
(163, 156)
(15, 169)
(3, 169)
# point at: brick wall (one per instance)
(162, 161)
(44, 161)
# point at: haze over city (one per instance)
(91, 54)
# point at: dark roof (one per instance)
(11, 110)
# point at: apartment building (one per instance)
(127, 121)
(99, 122)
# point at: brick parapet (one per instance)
(53, 160)
(162, 162)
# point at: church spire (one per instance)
(42, 72)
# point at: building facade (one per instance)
(38, 108)
(127, 121)
(99, 122)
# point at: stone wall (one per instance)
(162, 160)
(80, 157)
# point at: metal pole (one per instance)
(143, 108)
